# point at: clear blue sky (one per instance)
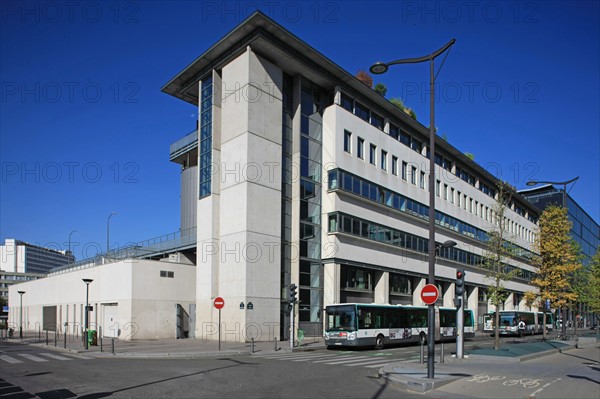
(85, 129)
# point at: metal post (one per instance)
(442, 353)
(112, 346)
(21, 315)
(431, 279)
(460, 323)
(65, 339)
(55, 338)
(422, 357)
(87, 282)
(252, 351)
(275, 344)
(46, 337)
(292, 327)
(219, 329)
(379, 68)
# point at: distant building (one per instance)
(21, 257)
(9, 278)
(585, 230)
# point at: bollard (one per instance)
(55, 338)
(65, 344)
(112, 346)
(252, 350)
(101, 343)
(422, 358)
(39, 333)
(442, 353)
(275, 342)
(46, 337)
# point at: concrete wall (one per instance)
(146, 302)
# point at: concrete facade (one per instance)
(130, 299)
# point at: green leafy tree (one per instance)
(380, 89)
(594, 285)
(558, 259)
(398, 103)
(496, 254)
(469, 155)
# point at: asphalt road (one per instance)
(31, 371)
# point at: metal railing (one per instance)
(143, 249)
(184, 144)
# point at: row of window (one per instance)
(341, 180)
(363, 112)
(416, 177)
(348, 224)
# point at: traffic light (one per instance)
(293, 293)
(459, 285)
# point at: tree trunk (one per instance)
(496, 329)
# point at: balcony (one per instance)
(183, 146)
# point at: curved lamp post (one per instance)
(69, 253)
(108, 232)
(382, 67)
(563, 328)
(21, 315)
(87, 282)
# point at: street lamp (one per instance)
(87, 282)
(382, 67)
(69, 252)
(21, 315)
(564, 205)
(108, 232)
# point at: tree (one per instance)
(365, 77)
(400, 105)
(557, 261)
(594, 285)
(469, 155)
(496, 254)
(380, 89)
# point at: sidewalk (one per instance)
(163, 348)
(414, 376)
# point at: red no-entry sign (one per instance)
(429, 294)
(219, 302)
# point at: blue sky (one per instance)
(85, 129)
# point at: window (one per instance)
(376, 120)
(361, 111)
(437, 187)
(394, 165)
(394, 131)
(372, 155)
(168, 274)
(404, 170)
(360, 147)
(413, 175)
(383, 160)
(452, 196)
(347, 141)
(347, 103)
(422, 180)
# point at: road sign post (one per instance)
(219, 303)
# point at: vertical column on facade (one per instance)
(250, 173)
(417, 301)
(331, 284)
(509, 302)
(382, 287)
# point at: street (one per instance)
(29, 371)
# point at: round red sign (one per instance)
(429, 294)
(219, 302)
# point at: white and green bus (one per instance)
(509, 321)
(359, 324)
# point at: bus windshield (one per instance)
(341, 318)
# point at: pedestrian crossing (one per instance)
(331, 359)
(16, 358)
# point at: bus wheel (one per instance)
(379, 342)
(422, 338)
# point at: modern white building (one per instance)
(307, 176)
(129, 299)
(298, 173)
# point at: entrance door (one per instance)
(110, 322)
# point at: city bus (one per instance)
(358, 324)
(509, 320)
